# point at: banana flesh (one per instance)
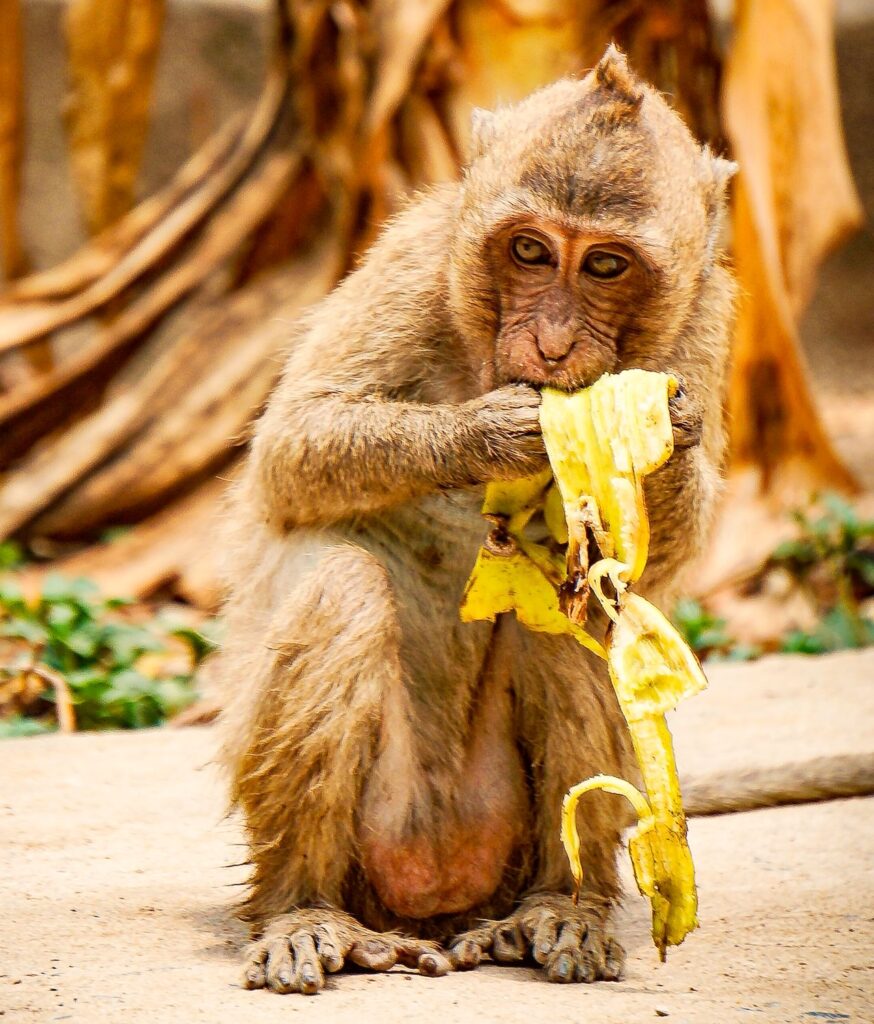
(602, 442)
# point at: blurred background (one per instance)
(179, 179)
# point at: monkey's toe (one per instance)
(465, 954)
(508, 944)
(285, 963)
(298, 949)
(570, 942)
(578, 955)
(254, 971)
(427, 957)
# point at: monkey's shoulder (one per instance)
(420, 232)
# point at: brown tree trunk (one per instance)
(167, 328)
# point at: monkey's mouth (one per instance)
(522, 361)
(568, 376)
(567, 382)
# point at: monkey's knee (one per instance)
(317, 701)
(343, 603)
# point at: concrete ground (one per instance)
(116, 902)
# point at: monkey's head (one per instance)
(589, 222)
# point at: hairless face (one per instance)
(566, 298)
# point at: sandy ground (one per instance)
(116, 901)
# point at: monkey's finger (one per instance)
(544, 938)
(465, 955)
(308, 975)
(329, 947)
(687, 419)
(280, 966)
(434, 964)
(681, 386)
(373, 954)
(590, 965)
(254, 975)
(520, 395)
(426, 957)
(614, 961)
(562, 964)
(508, 945)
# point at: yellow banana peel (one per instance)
(602, 442)
(652, 670)
(515, 582)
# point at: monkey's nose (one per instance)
(554, 341)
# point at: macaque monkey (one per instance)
(400, 772)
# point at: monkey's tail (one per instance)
(797, 782)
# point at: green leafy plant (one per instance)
(21, 725)
(707, 635)
(832, 559)
(12, 555)
(77, 646)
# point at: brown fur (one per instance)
(392, 763)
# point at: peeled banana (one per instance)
(601, 443)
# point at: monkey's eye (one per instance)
(603, 264)
(530, 251)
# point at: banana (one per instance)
(601, 443)
(652, 670)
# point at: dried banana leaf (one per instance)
(112, 48)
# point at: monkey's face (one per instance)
(566, 297)
(589, 220)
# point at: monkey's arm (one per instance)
(333, 456)
(374, 406)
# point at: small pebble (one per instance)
(660, 1011)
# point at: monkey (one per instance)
(400, 773)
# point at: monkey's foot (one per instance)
(570, 942)
(298, 948)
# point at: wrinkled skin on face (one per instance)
(563, 316)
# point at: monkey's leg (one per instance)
(302, 736)
(571, 727)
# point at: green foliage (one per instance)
(837, 630)
(12, 555)
(832, 558)
(837, 541)
(83, 637)
(707, 635)
(19, 725)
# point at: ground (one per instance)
(117, 904)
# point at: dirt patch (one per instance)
(117, 904)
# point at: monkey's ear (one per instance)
(723, 171)
(482, 131)
(613, 73)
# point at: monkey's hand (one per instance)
(687, 417)
(571, 942)
(506, 424)
(298, 948)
